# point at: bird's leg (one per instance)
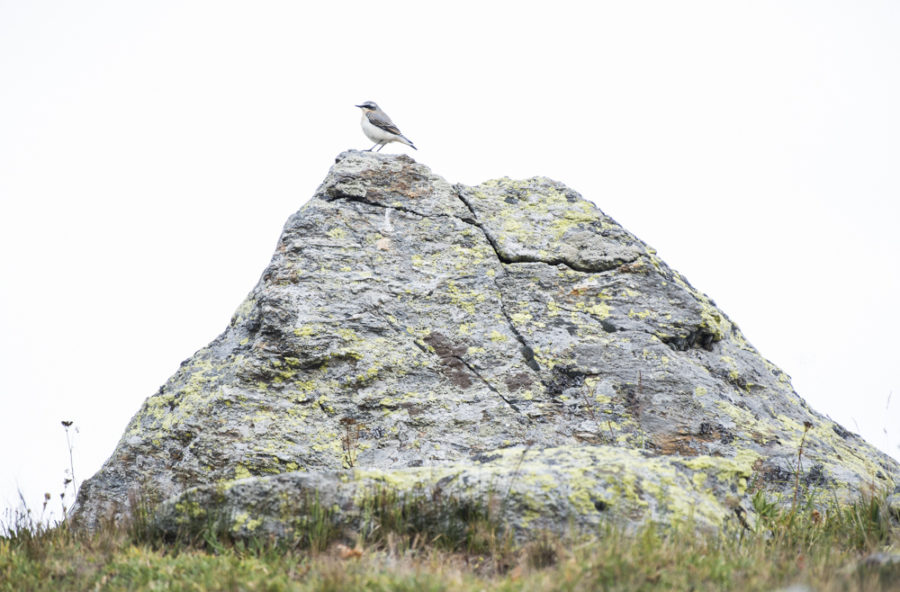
(380, 147)
(372, 148)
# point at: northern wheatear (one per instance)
(379, 128)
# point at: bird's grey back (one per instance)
(380, 118)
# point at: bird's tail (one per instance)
(408, 142)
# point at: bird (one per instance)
(379, 128)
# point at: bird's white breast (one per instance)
(374, 133)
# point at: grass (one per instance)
(433, 542)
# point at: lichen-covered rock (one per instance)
(506, 337)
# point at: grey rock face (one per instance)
(505, 337)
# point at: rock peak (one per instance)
(410, 332)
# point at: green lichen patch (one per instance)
(524, 488)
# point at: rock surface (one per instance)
(507, 339)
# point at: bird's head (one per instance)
(368, 106)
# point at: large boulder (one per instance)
(507, 340)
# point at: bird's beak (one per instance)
(360, 106)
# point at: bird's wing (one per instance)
(384, 122)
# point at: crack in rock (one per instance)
(339, 195)
(511, 258)
(492, 388)
(521, 258)
(697, 338)
(451, 357)
(526, 350)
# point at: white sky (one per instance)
(150, 153)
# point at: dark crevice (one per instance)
(525, 349)
(609, 327)
(397, 329)
(425, 349)
(843, 433)
(699, 338)
(473, 221)
(358, 199)
(510, 259)
(492, 388)
(462, 198)
(450, 354)
(551, 261)
(564, 378)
